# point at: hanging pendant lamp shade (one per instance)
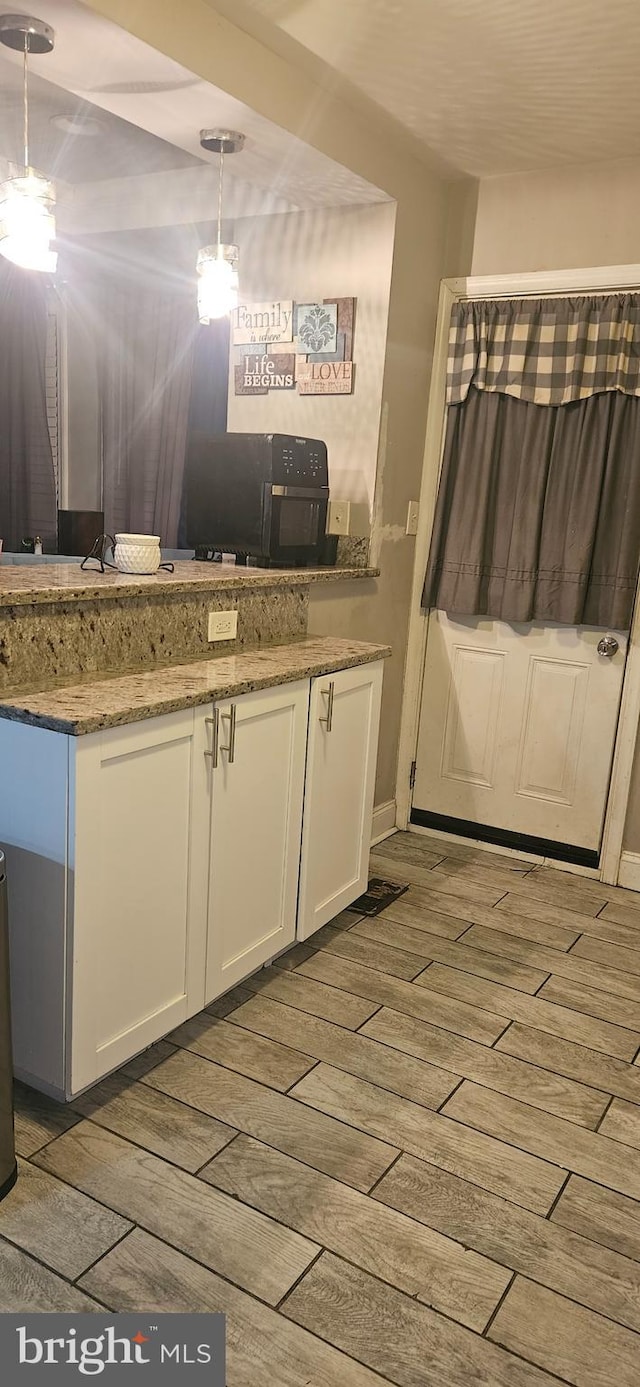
(217, 265)
(27, 222)
(218, 283)
(27, 198)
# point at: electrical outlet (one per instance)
(338, 517)
(223, 626)
(412, 517)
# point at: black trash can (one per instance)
(8, 1168)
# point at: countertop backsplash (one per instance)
(58, 622)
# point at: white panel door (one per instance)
(344, 718)
(138, 903)
(517, 727)
(256, 827)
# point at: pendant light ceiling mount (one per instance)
(27, 199)
(222, 141)
(217, 265)
(25, 34)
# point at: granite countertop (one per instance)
(96, 703)
(21, 585)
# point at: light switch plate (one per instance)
(412, 517)
(223, 626)
(338, 517)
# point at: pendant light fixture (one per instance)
(27, 199)
(217, 265)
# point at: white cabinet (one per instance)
(257, 784)
(137, 909)
(344, 717)
(107, 893)
(153, 866)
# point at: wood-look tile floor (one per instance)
(407, 1153)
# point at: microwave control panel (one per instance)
(299, 462)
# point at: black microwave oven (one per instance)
(259, 495)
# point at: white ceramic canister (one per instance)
(137, 553)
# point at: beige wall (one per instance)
(559, 219)
(461, 226)
(279, 89)
(563, 219)
(419, 255)
(304, 256)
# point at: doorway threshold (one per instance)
(502, 837)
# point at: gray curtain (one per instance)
(208, 406)
(27, 480)
(538, 512)
(148, 340)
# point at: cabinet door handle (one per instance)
(214, 722)
(328, 693)
(231, 748)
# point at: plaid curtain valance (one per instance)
(545, 351)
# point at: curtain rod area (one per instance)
(589, 280)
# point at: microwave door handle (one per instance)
(310, 493)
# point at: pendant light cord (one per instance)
(220, 197)
(26, 106)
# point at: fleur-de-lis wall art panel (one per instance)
(316, 327)
(282, 345)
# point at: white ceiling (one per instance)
(491, 86)
(153, 111)
(479, 86)
(104, 147)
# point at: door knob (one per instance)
(608, 646)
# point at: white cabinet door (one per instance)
(257, 789)
(138, 903)
(344, 719)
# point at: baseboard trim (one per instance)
(383, 823)
(629, 872)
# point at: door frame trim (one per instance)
(596, 279)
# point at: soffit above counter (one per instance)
(28, 584)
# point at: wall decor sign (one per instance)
(316, 328)
(311, 323)
(256, 375)
(325, 377)
(346, 324)
(262, 322)
(277, 345)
